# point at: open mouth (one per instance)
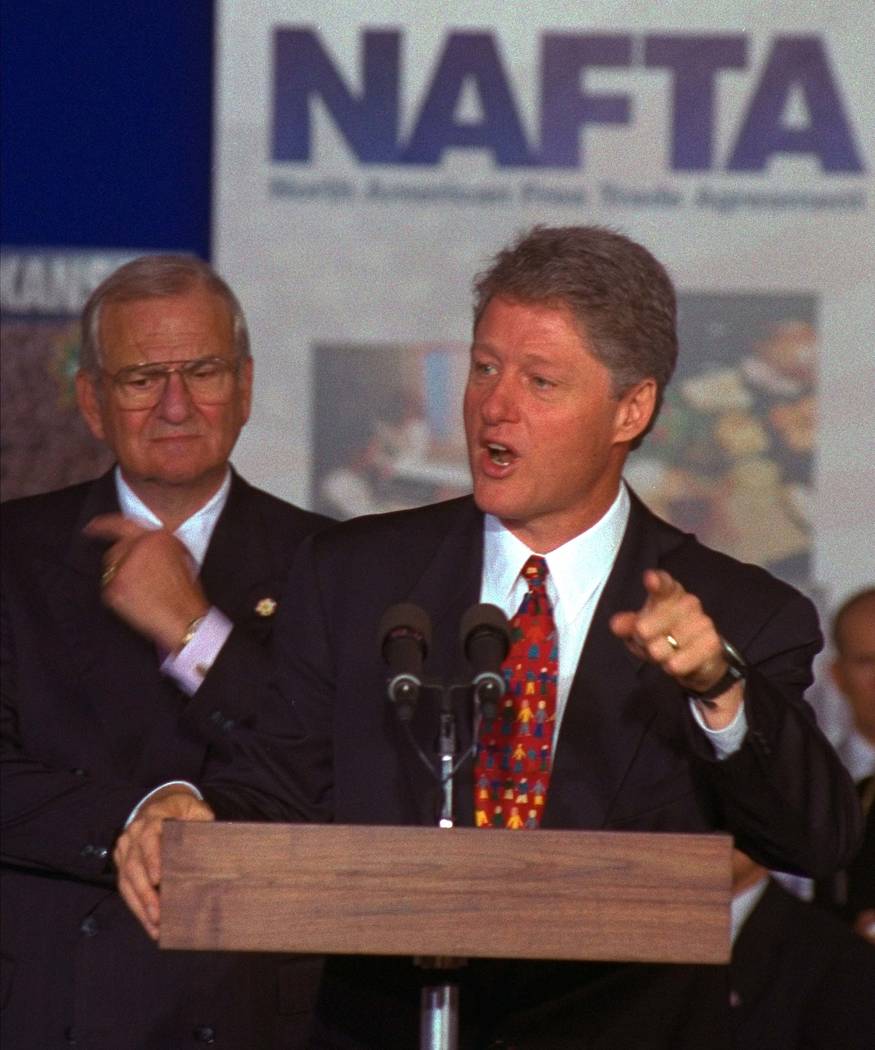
(500, 455)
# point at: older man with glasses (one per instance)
(117, 597)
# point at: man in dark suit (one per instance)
(116, 595)
(800, 978)
(680, 671)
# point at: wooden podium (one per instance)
(623, 896)
(432, 893)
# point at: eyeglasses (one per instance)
(209, 381)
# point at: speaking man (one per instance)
(117, 595)
(671, 676)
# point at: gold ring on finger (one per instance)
(673, 642)
(108, 573)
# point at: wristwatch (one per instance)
(736, 671)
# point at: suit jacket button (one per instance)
(205, 1033)
(88, 927)
(760, 738)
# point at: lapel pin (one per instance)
(265, 607)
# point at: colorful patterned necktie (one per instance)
(515, 749)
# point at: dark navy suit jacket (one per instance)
(89, 725)
(801, 979)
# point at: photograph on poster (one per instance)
(397, 440)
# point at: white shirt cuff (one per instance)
(170, 783)
(725, 741)
(190, 665)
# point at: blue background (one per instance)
(106, 117)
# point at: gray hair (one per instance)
(620, 296)
(154, 277)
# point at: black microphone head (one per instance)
(405, 619)
(485, 619)
(404, 637)
(486, 641)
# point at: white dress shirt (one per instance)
(742, 904)
(195, 532)
(857, 754)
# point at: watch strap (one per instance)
(736, 671)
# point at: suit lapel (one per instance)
(228, 569)
(608, 711)
(84, 555)
(114, 666)
(73, 587)
(758, 947)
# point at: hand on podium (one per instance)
(137, 853)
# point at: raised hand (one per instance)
(148, 579)
(673, 631)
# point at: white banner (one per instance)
(372, 158)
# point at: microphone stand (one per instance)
(439, 999)
(447, 751)
(485, 641)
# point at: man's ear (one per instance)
(635, 410)
(246, 373)
(837, 674)
(89, 403)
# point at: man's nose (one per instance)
(175, 404)
(499, 403)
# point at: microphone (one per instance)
(485, 636)
(404, 637)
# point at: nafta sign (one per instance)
(796, 68)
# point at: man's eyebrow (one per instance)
(528, 357)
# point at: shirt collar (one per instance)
(742, 904)
(195, 532)
(576, 568)
(858, 755)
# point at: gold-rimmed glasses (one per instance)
(209, 381)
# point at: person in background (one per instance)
(852, 892)
(800, 979)
(117, 595)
